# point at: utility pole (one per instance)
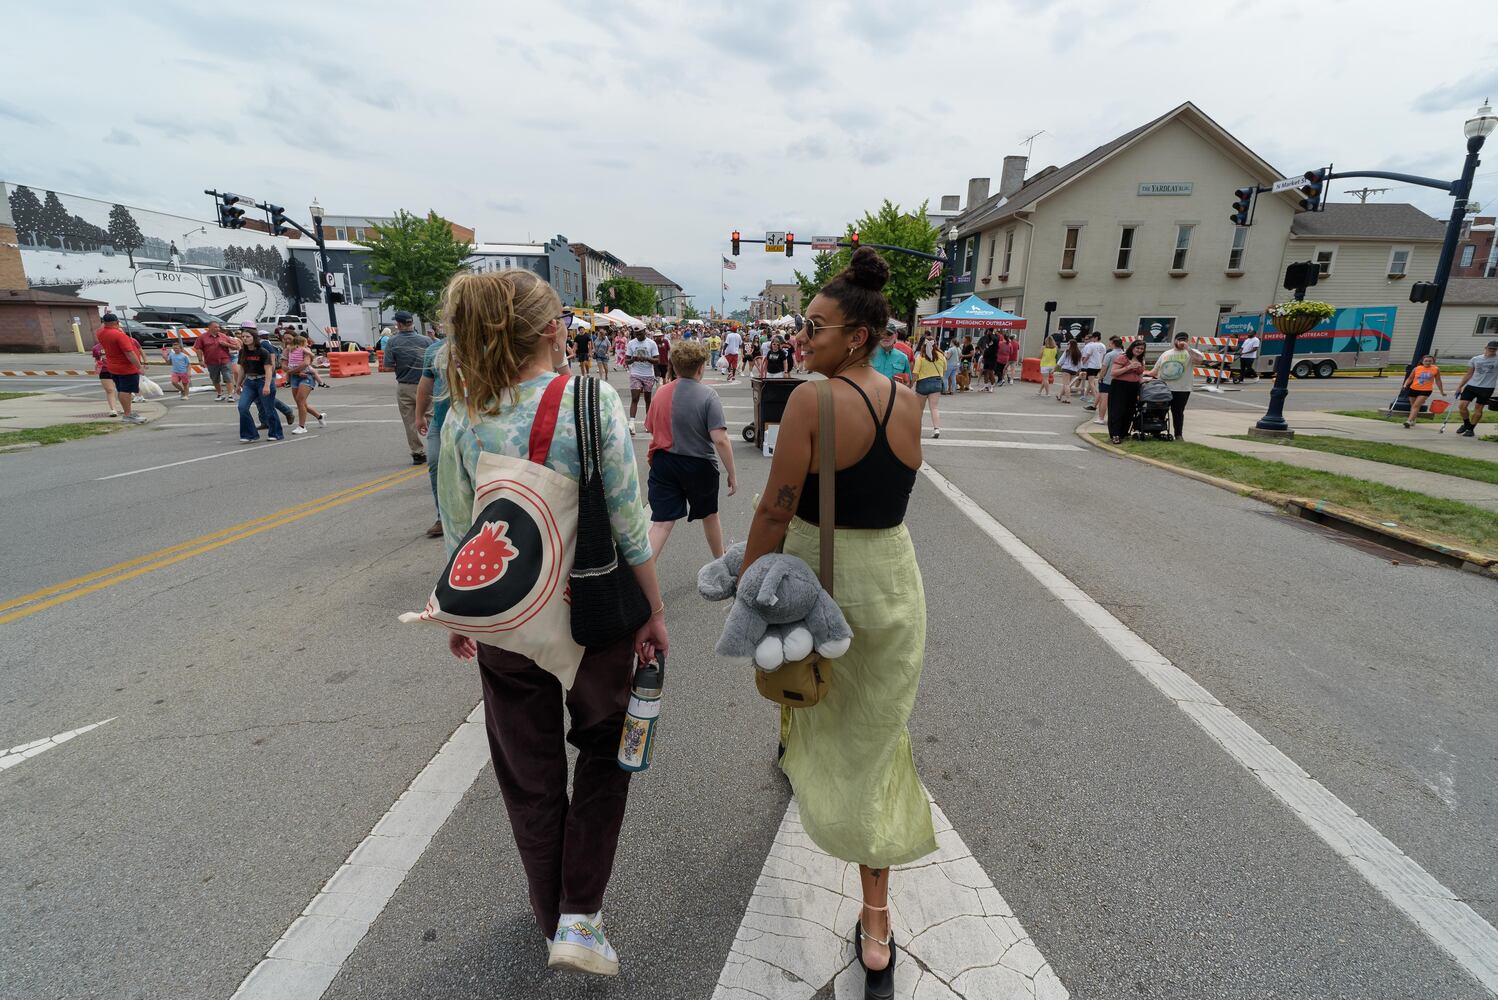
(1361, 194)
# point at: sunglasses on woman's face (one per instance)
(813, 327)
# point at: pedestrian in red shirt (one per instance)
(124, 360)
(214, 347)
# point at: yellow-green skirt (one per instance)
(849, 757)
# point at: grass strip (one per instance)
(16, 395)
(1395, 454)
(56, 434)
(1425, 417)
(1455, 522)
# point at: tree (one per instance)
(26, 211)
(632, 296)
(890, 226)
(690, 311)
(824, 266)
(412, 259)
(54, 221)
(123, 232)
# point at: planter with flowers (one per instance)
(1297, 317)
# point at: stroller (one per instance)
(1152, 416)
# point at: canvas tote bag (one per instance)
(506, 584)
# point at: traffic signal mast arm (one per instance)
(855, 244)
(1387, 175)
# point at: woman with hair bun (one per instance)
(849, 757)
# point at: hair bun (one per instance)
(867, 269)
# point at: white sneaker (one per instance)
(299, 430)
(320, 421)
(248, 440)
(579, 945)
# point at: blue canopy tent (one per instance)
(974, 312)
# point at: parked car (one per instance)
(268, 324)
(176, 318)
(149, 335)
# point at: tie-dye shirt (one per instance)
(508, 433)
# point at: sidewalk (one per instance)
(69, 361)
(1214, 428)
(47, 409)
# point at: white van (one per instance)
(268, 324)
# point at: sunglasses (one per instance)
(813, 327)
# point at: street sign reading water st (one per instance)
(824, 243)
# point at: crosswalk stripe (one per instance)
(958, 936)
(1024, 445)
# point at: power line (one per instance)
(1361, 194)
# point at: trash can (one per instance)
(770, 395)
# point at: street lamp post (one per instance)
(323, 270)
(1477, 129)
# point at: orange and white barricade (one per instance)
(1220, 370)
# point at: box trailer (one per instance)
(1354, 337)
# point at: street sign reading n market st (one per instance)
(1176, 188)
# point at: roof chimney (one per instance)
(977, 190)
(951, 203)
(1013, 177)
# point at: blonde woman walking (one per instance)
(506, 338)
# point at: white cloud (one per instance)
(653, 128)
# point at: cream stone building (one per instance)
(1133, 237)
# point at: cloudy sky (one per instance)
(652, 129)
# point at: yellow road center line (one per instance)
(186, 550)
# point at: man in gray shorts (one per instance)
(1476, 387)
(214, 347)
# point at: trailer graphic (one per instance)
(1354, 337)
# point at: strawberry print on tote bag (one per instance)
(506, 583)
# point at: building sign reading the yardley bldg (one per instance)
(1166, 187)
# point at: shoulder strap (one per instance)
(826, 480)
(545, 424)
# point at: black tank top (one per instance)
(874, 491)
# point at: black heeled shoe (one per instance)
(878, 985)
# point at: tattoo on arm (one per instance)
(785, 498)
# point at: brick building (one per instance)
(1476, 255)
(43, 321)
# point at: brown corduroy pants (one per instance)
(567, 847)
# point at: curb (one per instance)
(1352, 522)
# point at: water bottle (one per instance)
(638, 738)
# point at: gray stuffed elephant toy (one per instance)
(780, 612)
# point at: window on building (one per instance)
(1235, 253)
(969, 248)
(1069, 248)
(1125, 260)
(1223, 309)
(1183, 247)
(1326, 259)
(1468, 252)
(340, 233)
(1008, 251)
(359, 234)
(1156, 329)
(1487, 326)
(993, 243)
(1399, 262)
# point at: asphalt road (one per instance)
(267, 709)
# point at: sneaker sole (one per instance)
(576, 958)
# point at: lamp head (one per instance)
(1482, 124)
(952, 234)
(315, 210)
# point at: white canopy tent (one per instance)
(623, 318)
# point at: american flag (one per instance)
(725, 286)
(936, 265)
(730, 265)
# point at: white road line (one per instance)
(1011, 413)
(13, 756)
(1240, 402)
(1023, 445)
(242, 450)
(996, 430)
(302, 964)
(959, 936)
(1435, 909)
(229, 425)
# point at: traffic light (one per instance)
(853, 241)
(1302, 274)
(1311, 189)
(1241, 207)
(790, 244)
(230, 215)
(1423, 291)
(278, 224)
(735, 242)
